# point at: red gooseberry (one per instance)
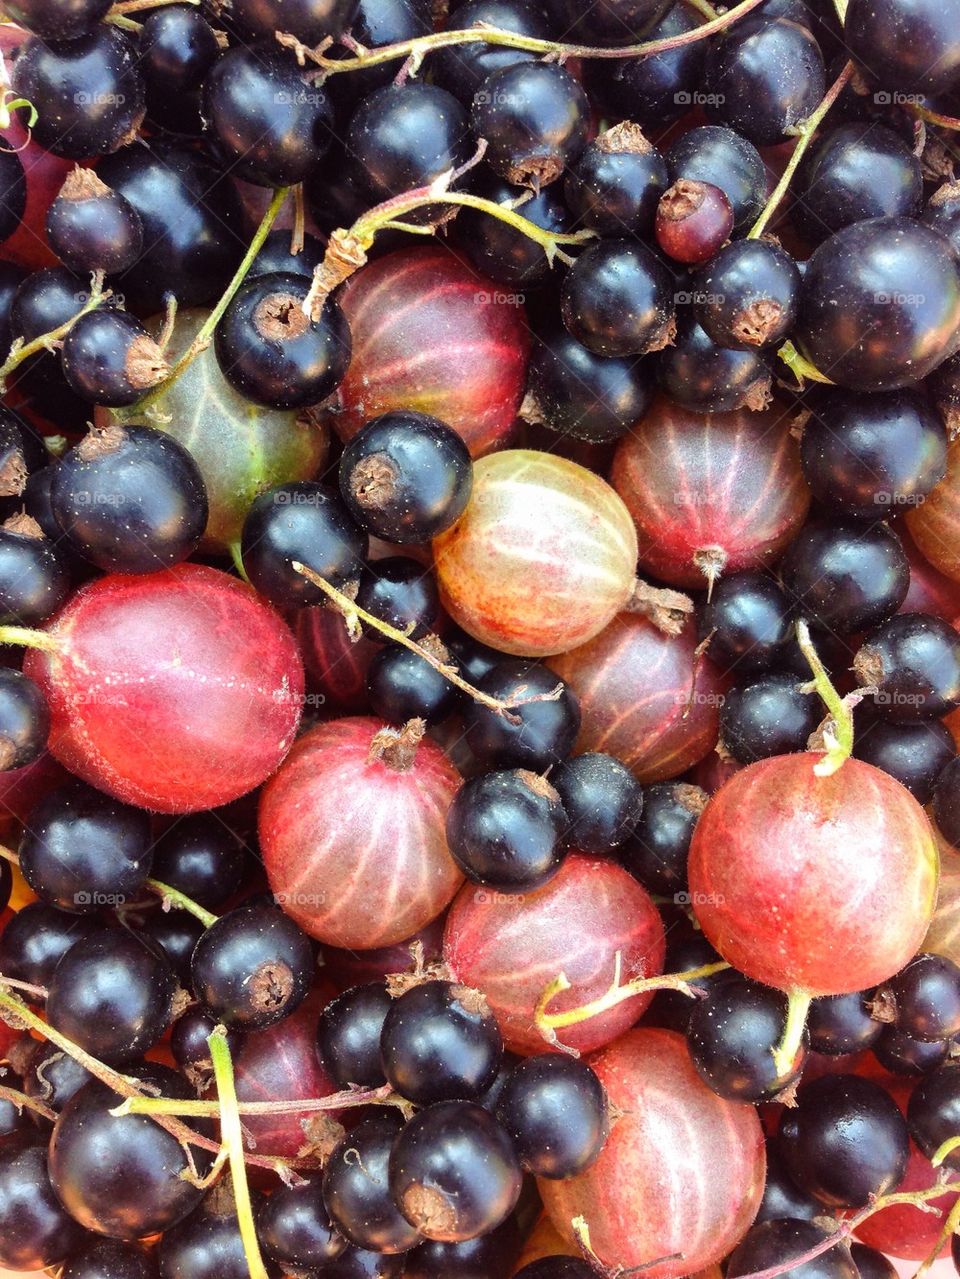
(352, 832)
(176, 691)
(543, 557)
(681, 1176)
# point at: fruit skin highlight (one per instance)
(682, 1171)
(176, 691)
(819, 884)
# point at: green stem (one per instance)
(798, 1005)
(211, 1109)
(950, 122)
(206, 331)
(950, 1227)
(231, 1134)
(29, 638)
(417, 49)
(236, 554)
(45, 341)
(838, 735)
(801, 369)
(806, 131)
(21, 1100)
(182, 902)
(941, 1153)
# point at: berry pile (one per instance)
(480, 620)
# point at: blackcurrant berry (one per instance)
(402, 686)
(348, 1035)
(91, 228)
(109, 358)
(111, 1259)
(618, 299)
(946, 803)
(613, 22)
(727, 160)
(707, 378)
(178, 47)
(34, 579)
(555, 1110)
(401, 592)
(534, 117)
(53, 1076)
(913, 660)
(933, 1112)
(57, 19)
(926, 998)
(208, 1243)
(277, 255)
(602, 799)
(543, 732)
(748, 621)
(175, 933)
(35, 1231)
(189, 1046)
(746, 296)
(770, 715)
(693, 220)
(309, 20)
(915, 754)
(656, 852)
(24, 720)
(491, 1254)
(463, 68)
(557, 1268)
(13, 201)
(731, 1036)
(781, 1197)
(295, 1230)
(499, 251)
(616, 184)
(406, 477)
(201, 857)
(846, 577)
(775, 1242)
(902, 1054)
(905, 44)
(356, 1188)
(841, 1024)
(37, 937)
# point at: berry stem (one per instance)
(384, 1096)
(206, 331)
(231, 1134)
(354, 615)
(805, 132)
(549, 1023)
(137, 6)
(21, 350)
(29, 638)
(798, 1005)
(950, 1227)
(948, 1147)
(838, 731)
(21, 1100)
(416, 49)
(173, 897)
(934, 117)
(801, 368)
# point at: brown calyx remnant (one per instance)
(19, 1057)
(530, 410)
(373, 481)
(397, 747)
(436, 648)
(759, 394)
(539, 785)
(757, 321)
(83, 184)
(683, 198)
(538, 171)
(882, 1006)
(951, 418)
(280, 318)
(101, 441)
(668, 610)
(666, 337)
(322, 1135)
(623, 139)
(868, 667)
(429, 1210)
(146, 364)
(13, 475)
(944, 194)
(693, 798)
(471, 1001)
(271, 986)
(399, 983)
(25, 525)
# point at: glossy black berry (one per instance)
(764, 78)
(109, 358)
(277, 254)
(130, 498)
(491, 1254)
(377, 23)
(192, 223)
(687, 948)
(271, 126)
(57, 19)
(309, 20)
(731, 1036)
(602, 799)
(13, 201)
(701, 375)
(178, 47)
(253, 967)
(406, 476)
(946, 803)
(913, 660)
(497, 250)
(111, 1259)
(348, 1035)
(902, 1054)
(24, 720)
(272, 352)
(199, 855)
(17, 1125)
(121, 1175)
(746, 296)
(748, 619)
(305, 523)
(656, 852)
(175, 933)
(462, 69)
(781, 1196)
(618, 299)
(856, 171)
(440, 1042)
(905, 44)
(840, 1024)
(616, 183)
(871, 455)
(191, 1051)
(401, 592)
(89, 92)
(770, 715)
(506, 830)
(112, 995)
(402, 686)
(91, 228)
(555, 1110)
(474, 660)
(356, 1187)
(453, 1172)
(933, 1112)
(405, 137)
(37, 937)
(872, 1264)
(845, 1140)
(576, 393)
(774, 1242)
(880, 304)
(534, 117)
(915, 754)
(294, 1227)
(544, 731)
(723, 157)
(34, 578)
(82, 850)
(35, 1231)
(207, 1244)
(926, 998)
(45, 300)
(846, 577)
(612, 22)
